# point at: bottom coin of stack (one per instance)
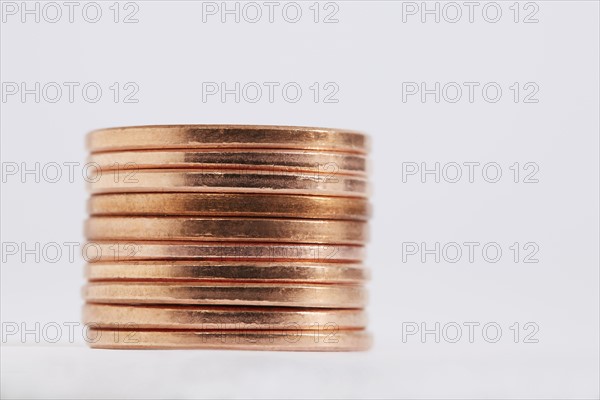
(189, 253)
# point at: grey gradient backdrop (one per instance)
(368, 54)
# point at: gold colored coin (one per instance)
(226, 136)
(186, 180)
(291, 272)
(227, 229)
(231, 293)
(219, 317)
(295, 340)
(166, 250)
(230, 204)
(314, 163)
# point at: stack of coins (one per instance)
(232, 237)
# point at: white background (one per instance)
(368, 54)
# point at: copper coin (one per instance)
(226, 136)
(230, 293)
(293, 272)
(165, 250)
(219, 317)
(230, 204)
(295, 340)
(313, 162)
(195, 180)
(227, 229)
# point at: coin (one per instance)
(230, 293)
(296, 272)
(296, 340)
(219, 317)
(162, 250)
(226, 136)
(313, 162)
(227, 237)
(227, 229)
(229, 204)
(186, 180)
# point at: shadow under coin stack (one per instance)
(227, 237)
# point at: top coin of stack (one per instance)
(238, 237)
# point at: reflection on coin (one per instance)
(314, 163)
(226, 136)
(219, 317)
(230, 204)
(230, 293)
(293, 272)
(162, 250)
(227, 229)
(296, 340)
(186, 180)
